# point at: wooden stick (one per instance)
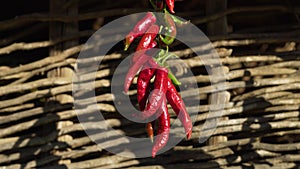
(8, 89)
(46, 92)
(29, 152)
(26, 76)
(267, 90)
(34, 45)
(44, 62)
(21, 34)
(17, 108)
(242, 9)
(27, 141)
(25, 19)
(252, 72)
(253, 127)
(33, 112)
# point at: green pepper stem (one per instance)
(167, 40)
(173, 78)
(166, 57)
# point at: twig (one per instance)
(29, 152)
(250, 72)
(244, 9)
(44, 62)
(25, 141)
(33, 85)
(22, 20)
(197, 61)
(259, 72)
(254, 127)
(27, 125)
(25, 76)
(20, 34)
(46, 92)
(17, 108)
(32, 112)
(267, 90)
(35, 45)
(97, 162)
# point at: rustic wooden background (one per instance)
(258, 42)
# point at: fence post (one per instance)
(60, 30)
(218, 27)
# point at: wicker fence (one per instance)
(260, 126)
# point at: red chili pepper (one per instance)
(153, 64)
(143, 90)
(146, 42)
(140, 28)
(152, 44)
(171, 4)
(163, 128)
(143, 85)
(158, 94)
(179, 108)
(149, 129)
(134, 69)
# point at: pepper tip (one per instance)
(153, 154)
(125, 91)
(189, 135)
(151, 139)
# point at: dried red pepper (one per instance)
(133, 70)
(163, 128)
(140, 28)
(143, 85)
(171, 5)
(158, 94)
(146, 42)
(143, 90)
(179, 108)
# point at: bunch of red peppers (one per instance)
(164, 90)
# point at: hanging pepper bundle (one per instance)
(164, 90)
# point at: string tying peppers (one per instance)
(164, 90)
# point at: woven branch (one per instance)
(35, 45)
(44, 62)
(25, 19)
